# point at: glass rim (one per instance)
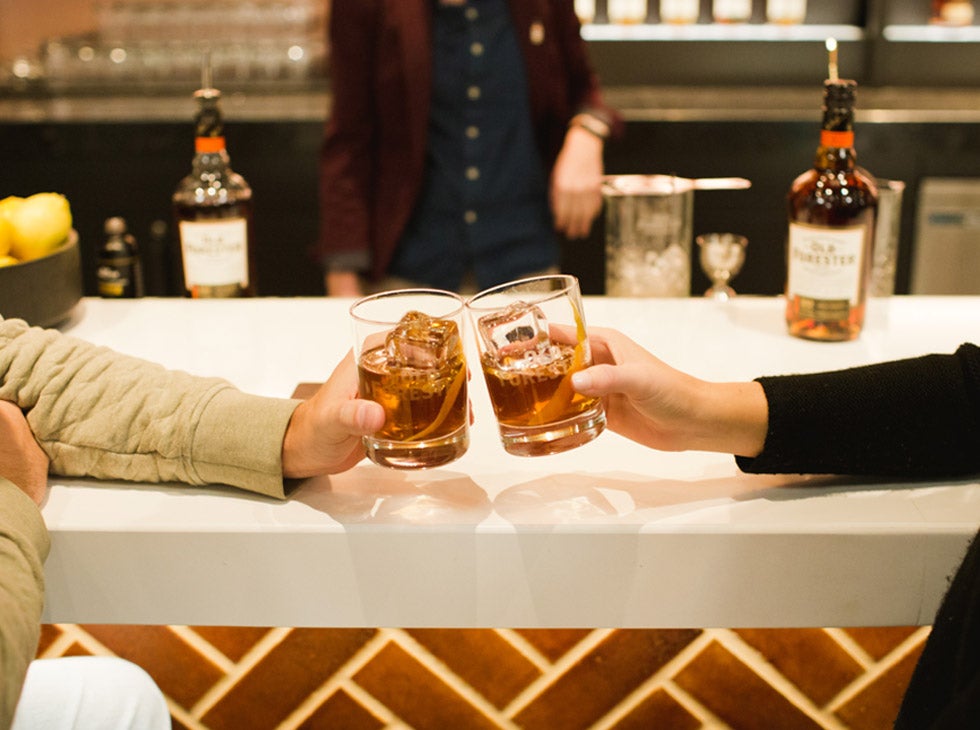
(570, 280)
(392, 293)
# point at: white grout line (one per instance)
(526, 648)
(204, 647)
(857, 652)
(248, 662)
(878, 669)
(556, 671)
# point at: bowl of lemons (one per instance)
(40, 264)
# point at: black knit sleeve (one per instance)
(915, 417)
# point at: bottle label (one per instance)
(825, 264)
(215, 253)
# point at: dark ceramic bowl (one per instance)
(43, 291)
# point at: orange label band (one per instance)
(209, 144)
(836, 139)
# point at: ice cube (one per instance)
(519, 331)
(423, 342)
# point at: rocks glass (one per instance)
(409, 349)
(531, 338)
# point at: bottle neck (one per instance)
(836, 150)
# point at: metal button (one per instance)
(473, 92)
(473, 173)
(472, 131)
(476, 49)
(472, 13)
(470, 216)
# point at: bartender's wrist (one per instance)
(592, 124)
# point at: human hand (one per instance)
(324, 433)
(343, 284)
(576, 183)
(653, 404)
(21, 459)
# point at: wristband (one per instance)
(591, 125)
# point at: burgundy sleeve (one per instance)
(915, 417)
(345, 156)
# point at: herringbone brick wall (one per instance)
(223, 678)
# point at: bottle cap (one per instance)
(115, 226)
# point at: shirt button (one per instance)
(472, 13)
(473, 92)
(476, 49)
(470, 216)
(473, 173)
(472, 131)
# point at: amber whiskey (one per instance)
(832, 211)
(213, 212)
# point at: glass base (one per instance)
(553, 438)
(418, 454)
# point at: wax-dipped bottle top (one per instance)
(832, 209)
(213, 211)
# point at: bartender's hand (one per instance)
(653, 404)
(343, 284)
(21, 459)
(576, 183)
(324, 434)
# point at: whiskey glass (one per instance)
(531, 338)
(721, 257)
(408, 344)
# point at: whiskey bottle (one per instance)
(832, 210)
(213, 211)
(119, 272)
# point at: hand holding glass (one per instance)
(409, 350)
(531, 337)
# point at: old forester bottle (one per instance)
(832, 211)
(213, 210)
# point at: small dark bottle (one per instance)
(120, 272)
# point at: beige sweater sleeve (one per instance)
(23, 547)
(101, 414)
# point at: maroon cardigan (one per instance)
(373, 155)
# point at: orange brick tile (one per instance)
(483, 659)
(49, 634)
(554, 643)
(737, 695)
(809, 658)
(614, 669)
(232, 641)
(876, 707)
(288, 674)
(879, 642)
(659, 710)
(182, 673)
(416, 695)
(340, 711)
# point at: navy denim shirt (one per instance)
(484, 203)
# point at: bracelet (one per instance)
(591, 125)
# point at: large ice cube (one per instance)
(517, 332)
(421, 341)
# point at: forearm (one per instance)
(101, 414)
(916, 417)
(23, 548)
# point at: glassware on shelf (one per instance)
(721, 257)
(585, 10)
(680, 12)
(626, 12)
(731, 11)
(786, 12)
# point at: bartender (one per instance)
(466, 136)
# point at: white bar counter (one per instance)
(609, 535)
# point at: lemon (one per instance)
(6, 235)
(40, 223)
(8, 261)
